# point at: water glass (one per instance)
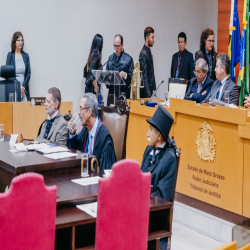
(84, 165)
(1, 132)
(178, 96)
(11, 97)
(226, 99)
(73, 124)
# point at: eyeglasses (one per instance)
(210, 41)
(83, 108)
(197, 72)
(117, 46)
(20, 40)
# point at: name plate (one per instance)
(37, 101)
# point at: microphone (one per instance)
(111, 58)
(154, 92)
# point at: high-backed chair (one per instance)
(123, 208)
(27, 214)
(117, 125)
(10, 85)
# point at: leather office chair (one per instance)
(123, 208)
(9, 85)
(117, 125)
(27, 214)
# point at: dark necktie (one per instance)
(178, 66)
(48, 127)
(218, 93)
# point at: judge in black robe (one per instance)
(103, 147)
(160, 159)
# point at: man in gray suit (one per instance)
(54, 128)
(223, 82)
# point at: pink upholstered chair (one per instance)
(123, 208)
(27, 214)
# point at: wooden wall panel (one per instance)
(6, 115)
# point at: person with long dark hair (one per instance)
(21, 62)
(207, 51)
(94, 63)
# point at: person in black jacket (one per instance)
(93, 63)
(147, 65)
(207, 51)
(21, 62)
(200, 85)
(182, 62)
(124, 64)
(159, 158)
(94, 137)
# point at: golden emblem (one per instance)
(205, 143)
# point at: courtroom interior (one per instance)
(125, 125)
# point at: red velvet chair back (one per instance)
(27, 214)
(123, 208)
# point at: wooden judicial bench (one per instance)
(220, 187)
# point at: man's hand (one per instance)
(72, 127)
(247, 102)
(96, 88)
(204, 92)
(123, 74)
(22, 91)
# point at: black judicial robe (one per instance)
(103, 146)
(163, 170)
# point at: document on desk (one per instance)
(90, 208)
(61, 155)
(37, 146)
(52, 150)
(87, 181)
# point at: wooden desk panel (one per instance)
(228, 162)
(27, 119)
(6, 114)
(246, 178)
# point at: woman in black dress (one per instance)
(93, 63)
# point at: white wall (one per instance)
(58, 35)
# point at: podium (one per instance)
(113, 82)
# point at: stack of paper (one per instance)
(61, 155)
(50, 150)
(87, 181)
(37, 146)
(90, 208)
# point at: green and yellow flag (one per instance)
(243, 79)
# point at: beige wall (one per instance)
(58, 35)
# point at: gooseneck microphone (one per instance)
(110, 59)
(154, 92)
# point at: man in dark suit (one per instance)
(94, 137)
(159, 158)
(147, 65)
(54, 128)
(224, 83)
(200, 85)
(182, 62)
(123, 63)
